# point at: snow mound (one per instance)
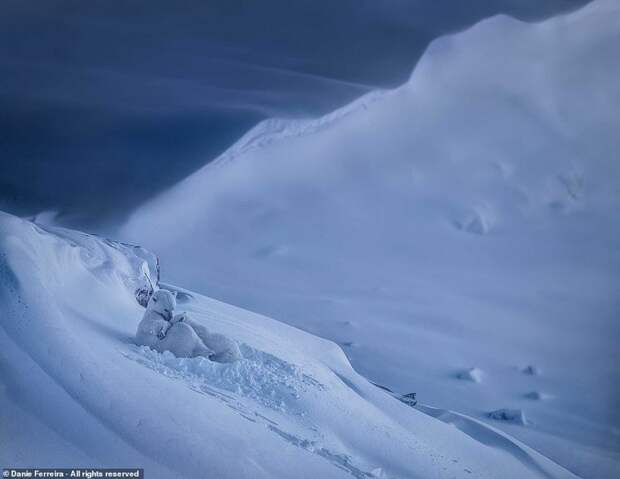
(472, 374)
(515, 416)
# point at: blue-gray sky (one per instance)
(105, 103)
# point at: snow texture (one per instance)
(469, 217)
(76, 390)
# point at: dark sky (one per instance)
(105, 103)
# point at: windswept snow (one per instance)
(469, 217)
(83, 393)
(275, 130)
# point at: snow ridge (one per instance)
(274, 130)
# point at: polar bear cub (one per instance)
(225, 350)
(162, 330)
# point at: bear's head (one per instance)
(163, 302)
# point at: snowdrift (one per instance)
(77, 391)
(465, 221)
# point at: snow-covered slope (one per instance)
(76, 391)
(466, 220)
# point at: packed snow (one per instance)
(467, 219)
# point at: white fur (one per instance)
(225, 350)
(182, 336)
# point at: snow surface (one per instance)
(77, 391)
(468, 219)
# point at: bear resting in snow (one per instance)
(162, 330)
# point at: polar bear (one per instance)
(162, 330)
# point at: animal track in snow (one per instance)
(258, 376)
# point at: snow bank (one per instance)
(77, 391)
